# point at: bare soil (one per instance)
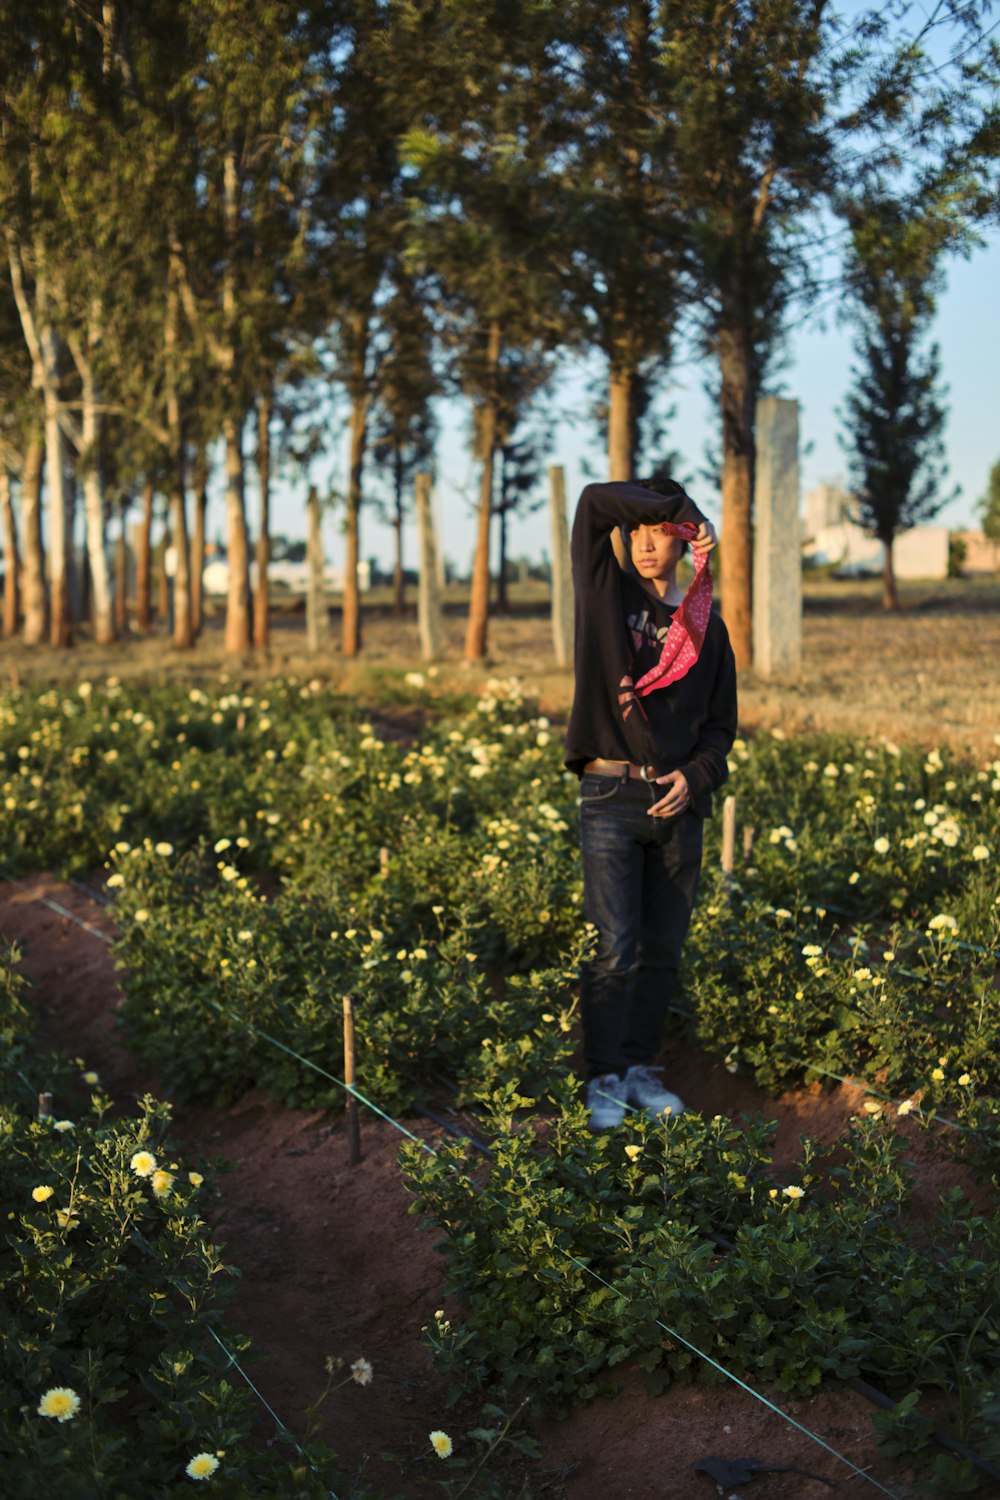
(332, 1262)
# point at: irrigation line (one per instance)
(63, 911)
(741, 1383)
(869, 1088)
(916, 931)
(267, 1405)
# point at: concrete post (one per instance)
(430, 616)
(777, 562)
(317, 623)
(562, 573)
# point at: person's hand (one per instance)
(677, 798)
(706, 540)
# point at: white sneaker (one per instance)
(647, 1093)
(606, 1101)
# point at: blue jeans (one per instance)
(640, 880)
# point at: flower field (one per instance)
(271, 851)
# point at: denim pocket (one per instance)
(598, 788)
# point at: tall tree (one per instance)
(487, 220)
(404, 426)
(894, 411)
(626, 241)
(989, 505)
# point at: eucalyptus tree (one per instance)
(625, 237)
(753, 92)
(243, 93)
(20, 470)
(404, 425)
(487, 213)
(358, 236)
(780, 103)
(34, 103)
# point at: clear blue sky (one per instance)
(967, 330)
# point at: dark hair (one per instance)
(660, 483)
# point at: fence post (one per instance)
(728, 841)
(351, 1106)
(44, 1106)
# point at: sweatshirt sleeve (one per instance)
(707, 769)
(603, 507)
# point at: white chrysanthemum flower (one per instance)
(202, 1466)
(881, 846)
(60, 1403)
(143, 1164)
(442, 1444)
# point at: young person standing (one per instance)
(653, 718)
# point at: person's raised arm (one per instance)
(604, 507)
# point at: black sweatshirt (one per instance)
(688, 726)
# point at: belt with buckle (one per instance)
(622, 769)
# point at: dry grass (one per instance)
(928, 674)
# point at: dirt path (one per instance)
(332, 1262)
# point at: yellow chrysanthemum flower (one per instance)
(42, 1194)
(442, 1444)
(143, 1163)
(161, 1182)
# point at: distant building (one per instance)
(982, 554)
(830, 538)
(283, 575)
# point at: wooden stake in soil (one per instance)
(351, 1106)
(749, 833)
(728, 840)
(383, 863)
(44, 1106)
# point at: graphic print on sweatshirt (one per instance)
(647, 641)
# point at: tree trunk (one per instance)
(890, 595)
(34, 588)
(238, 633)
(121, 572)
(398, 577)
(479, 601)
(200, 478)
(60, 633)
(162, 573)
(93, 501)
(11, 559)
(143, 571)
(737, 402)
(351, 624)
(182, 633)
(620, 424)
(261, 600)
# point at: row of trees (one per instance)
(217, 213)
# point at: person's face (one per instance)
(655, 553)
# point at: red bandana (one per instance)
(684, 639)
